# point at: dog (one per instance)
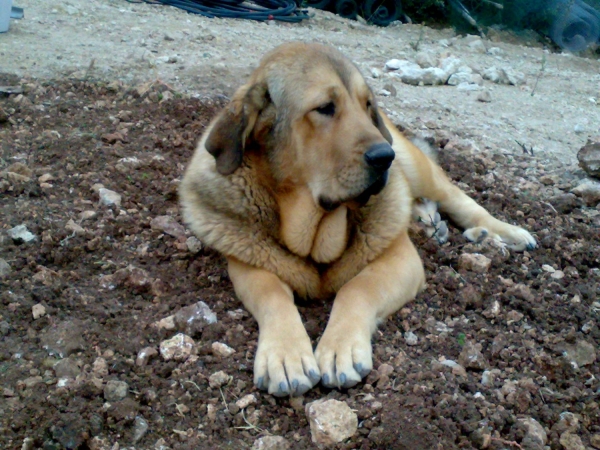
(307, 188)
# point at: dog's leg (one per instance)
(284, 362)
(381, 288)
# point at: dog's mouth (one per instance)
(361, 199)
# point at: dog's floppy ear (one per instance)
(227, 139)
(378, 121)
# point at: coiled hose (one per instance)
(260, 10)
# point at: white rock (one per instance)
(457, 369)
(375, 73)
(73, 227)
(100, 367)
(331, 421)
(535, 435)
(484, 96)
(21, 234)
(222, 350)
(426, 60)
(478, 46)
(144, 356)
(167, 224)
(271, 443)
(416, 76)
(168, 323)
(571, 441)
(218, 379)
(108, 197)
(450, 65)
(475, 262)
(246, 401)
(468, 87)
(193, 244)
(115, 391)
(5, 268)
(411, 338)
(395, 64)
(504, 76)
(589, 191)
(548, 268)
(86, 215)
(179, 347)
(38, 310)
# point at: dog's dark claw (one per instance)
(302, 389)
(361, 370)
(295, 384)
(530, 246)
(343, 379)
(325, 380)
(314, 376)
(283, 390)
(260, 384)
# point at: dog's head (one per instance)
(310, 112)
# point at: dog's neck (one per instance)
(307, 229)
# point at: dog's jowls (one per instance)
(306, 188)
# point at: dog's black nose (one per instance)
(380, 156)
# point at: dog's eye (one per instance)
(327, 109)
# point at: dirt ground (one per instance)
(80, 302)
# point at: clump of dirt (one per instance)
(471, 363)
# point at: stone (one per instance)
(513, 316)
(100, 367)
(471, 357)
(218, 379)
(487, 378)
(457, 369)
(108, 197)
(86, 215)
(477, 46)
(331, 421)
(20, 234)
(64, 338)
(73, 227)
(178, 348)
(45, 276)
(20, 169)
(144, 355)
(193, 244)
(222, 350)
(5, 268)
(395, 64)
(192, 319)
(481, 437)
(504, 76)
(484, 96)
(115, 390)
(66, 368)
(589, 191)
(522, 292)
(246, 401)
(535, 436)
(571, 441)
(426, 60)
(168, 225)
(140, 427)
(474, 262)
(38, 310)
(411, 338)
(595, 441)
(582, 353)
(271, 443)
(589, 158)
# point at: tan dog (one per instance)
(296, 183)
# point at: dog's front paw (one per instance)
(344, 356)
(515, 238)
(285, 364)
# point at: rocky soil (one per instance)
(118, 329)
